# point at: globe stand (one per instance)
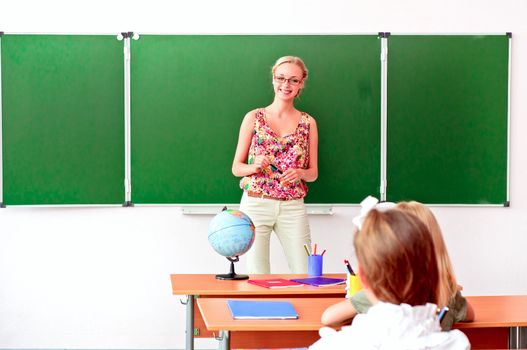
(232, 275)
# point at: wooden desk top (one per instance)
(208, 285)
(217, 316)
(497, 311)
(491, 312)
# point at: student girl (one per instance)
(276, 155)
(448, 293)
(399, 272)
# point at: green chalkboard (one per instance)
(63, 125)
(190, 93)
(63, 135)
(448, 119)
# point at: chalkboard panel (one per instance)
(448, 119)
(63, 116)
(63, 126)
(190, 93)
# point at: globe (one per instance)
(231, 234)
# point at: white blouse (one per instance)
(394, 327)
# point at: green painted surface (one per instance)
(447, 119)
(190, 93)
(63, 116)
(63, 124)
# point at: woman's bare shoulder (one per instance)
(249, 119)
(309, 118)
(251, 115)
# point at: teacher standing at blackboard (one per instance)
(277, 153)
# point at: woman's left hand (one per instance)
(292, 175)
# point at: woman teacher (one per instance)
(276, 155)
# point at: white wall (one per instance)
(99, 277)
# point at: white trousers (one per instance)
(288, 219)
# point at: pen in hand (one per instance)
(274, 168)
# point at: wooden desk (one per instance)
(252, 334)
(207, 286)
(500, 322)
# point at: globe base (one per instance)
(232, 275)
(229, 276)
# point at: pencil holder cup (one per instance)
(353, 285)
(314, 265)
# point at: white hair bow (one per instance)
(368, 204)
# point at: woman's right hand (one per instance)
(261, 162)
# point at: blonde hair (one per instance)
(447, 287)
(293, 60)
(397, 257)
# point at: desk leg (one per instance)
(522, 339)
(517, 337)
(225, 341)
(189, 336)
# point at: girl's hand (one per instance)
(261, 162)
(292, 175)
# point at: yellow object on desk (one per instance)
(353, 285)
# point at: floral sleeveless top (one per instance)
(290, 151)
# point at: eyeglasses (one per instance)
(282, 80)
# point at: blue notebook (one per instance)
(320, 281)
(262, 310)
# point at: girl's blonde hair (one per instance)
(447, 287)
(397, 258)
(293, 60)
